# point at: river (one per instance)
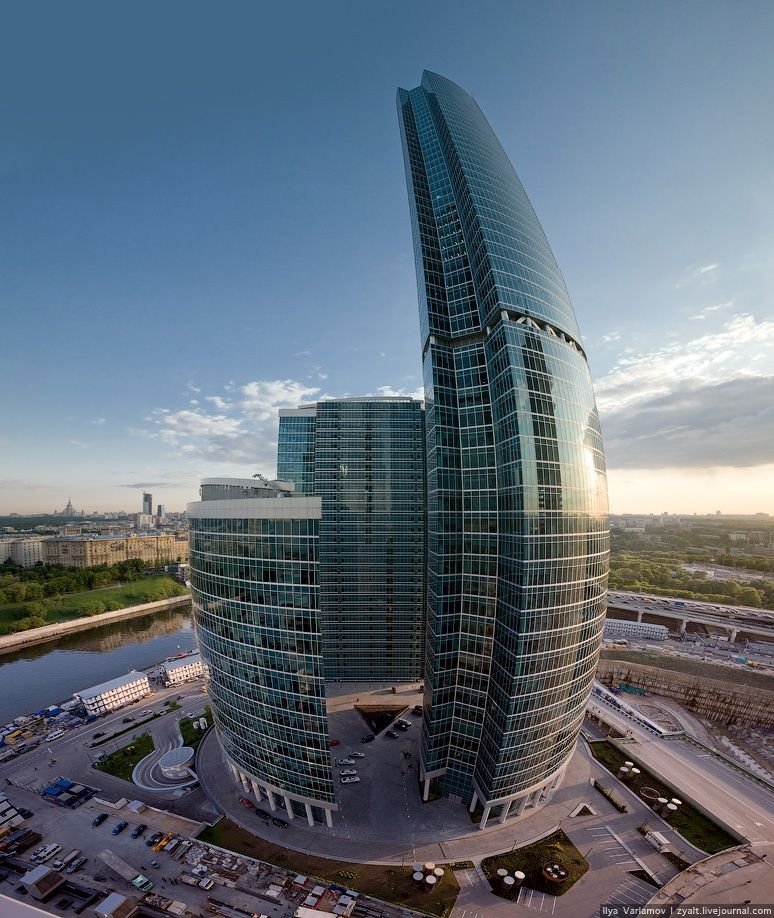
(49, 673)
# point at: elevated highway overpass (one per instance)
(757, 624)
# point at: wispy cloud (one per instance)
(704, 313)
(151, 484)
(700, 273)
(240, 428)
(392, 392)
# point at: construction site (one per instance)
(729, 709)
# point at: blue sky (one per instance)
(205, 219)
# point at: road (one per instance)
(72, 755)
(756, 622)
(736, 799)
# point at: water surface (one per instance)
(38, 676)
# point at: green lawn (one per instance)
(393, 884)
(74, 605)
(133, 726)
(121, 763)
(553, 849)
(192, 737)
(689, 822)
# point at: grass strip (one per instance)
(138, 723)
(383, 881)
(531, 859)
(121, 763)
(192, 736)
(694, 826)
(55, 609)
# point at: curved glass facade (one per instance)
(256, 599)
(517, 541)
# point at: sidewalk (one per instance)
(450, 835)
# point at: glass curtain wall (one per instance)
(517, 542)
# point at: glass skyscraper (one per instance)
(364, 458)
(256, 605)
(517, 540)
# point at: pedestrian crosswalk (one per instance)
(632, 891)
(611, 849)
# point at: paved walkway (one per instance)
(408, 830)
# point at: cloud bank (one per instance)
(701, 403)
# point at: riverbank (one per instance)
(21, 639)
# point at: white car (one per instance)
(348, 772)
(351, 779)
(357, 755)
(345, 761)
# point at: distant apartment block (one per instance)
(115, 694)
(87, 551)
(619, 628)
(24, 552)
(179, 671)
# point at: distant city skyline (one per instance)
(243, 182)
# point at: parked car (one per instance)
(138, 830)
(393, 734)
(334, 742)
(99, 819)
(97, 735)
(27, 814)
(417, 709)
(348, 772)
(350, 779)
(247, 804)
(154, 839)
(279, 822)
(402, 727)
(76, 865)
(341, 762)
(357, 755)
(127, 720)
(119, 827)
(368, 738)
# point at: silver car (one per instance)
(348, 773)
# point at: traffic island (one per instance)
(121, 763)
(192, 729)
(695, 827)
(392, 883)
(533, 861)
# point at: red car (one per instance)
(246, 803)
(334, 742)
